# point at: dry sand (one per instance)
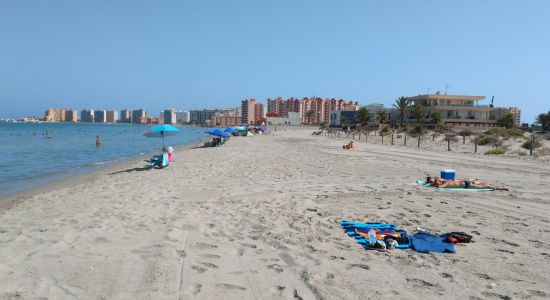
(258, 219)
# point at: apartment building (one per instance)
(455, 110)
(252, 111)
(499, 112)
(60, 115)
(111, 116)
(137, 115)
(126, 116)
(183, 117)
(87, 115)
(100, 116)
(169, 116)
(71, 115)
(202, 116)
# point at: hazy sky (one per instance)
(205, 53)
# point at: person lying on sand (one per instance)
(466, 184)
(349, 146)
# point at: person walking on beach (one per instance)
(97, 141)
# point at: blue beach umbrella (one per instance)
(230, 130)
(161, 131)
(218, 132)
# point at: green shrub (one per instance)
(510, 132)
(486, 139)
(417, 130)
(441, 129)
(515, 132)
(528, 144)
(496, 151)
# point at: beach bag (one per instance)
(458, 237)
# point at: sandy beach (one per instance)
(259, 219)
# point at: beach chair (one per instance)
(157, 161)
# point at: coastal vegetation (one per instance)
(531, 145)
(402, 105)
(497, 151)
(436, 117)
(309, 114)
(544, 120)
(485, 139)
(419, 112)
(363, 116)
(507, 121)
(504, 132)
(382, 116)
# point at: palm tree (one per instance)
(419, 112)
(544, 120)
(382, 116)
(436, 117)
(309, 114)
(507, 121)
(402, 105)
(363, 116)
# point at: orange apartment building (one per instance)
(311, 110)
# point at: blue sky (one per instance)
(205, 53)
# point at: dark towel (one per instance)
(426, 242)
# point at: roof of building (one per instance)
(446, 97)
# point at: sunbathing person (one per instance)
(465, 184)
(349, 146)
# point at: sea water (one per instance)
(29, 158)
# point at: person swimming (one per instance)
(97, 141)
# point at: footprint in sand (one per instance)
(239, 252)
(421, 283)
(209, 265)
(360, 266)
(447, 276)
(196, 288)
(483, 276)
(198, 269)
(211, 256)
(276, 267)
(249, 245)
(226, 286)
(203, 246)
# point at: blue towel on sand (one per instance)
(426, 242)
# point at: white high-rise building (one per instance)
(183, 117)
(169, 116)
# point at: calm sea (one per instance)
(28, 158)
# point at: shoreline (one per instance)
(7, 201)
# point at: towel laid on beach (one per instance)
(424, 184)
(359, 231)
(426, 242)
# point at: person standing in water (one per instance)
(97, 141)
